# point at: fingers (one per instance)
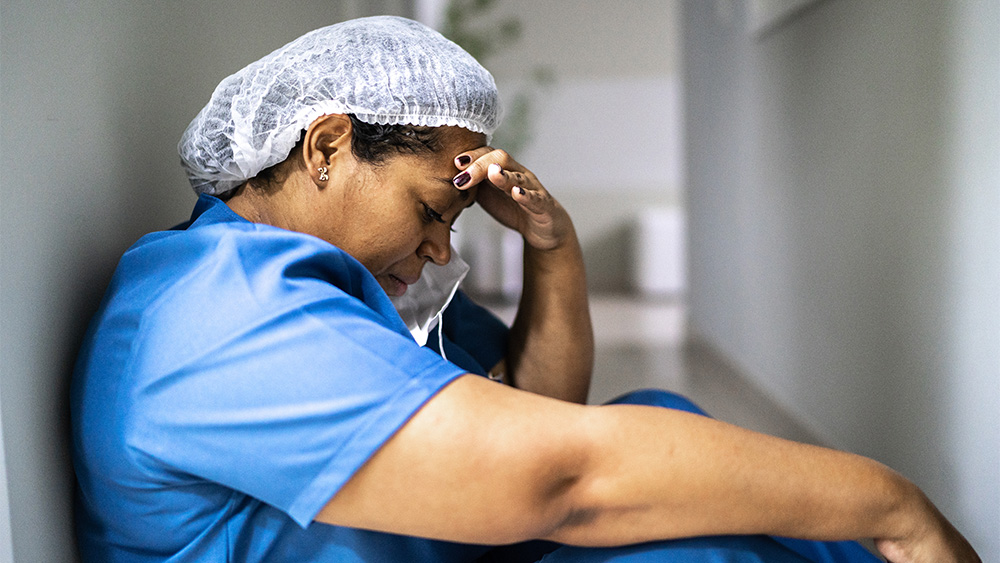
(475, 167)
(522, 188)
(463, 160)
(471, 171)
(513, 196)
(500, 170)
(506, 180)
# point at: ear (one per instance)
(326, 142)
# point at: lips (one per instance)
(397, 285)
(408, 280)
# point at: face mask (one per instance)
(424, 302)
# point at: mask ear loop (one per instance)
(440, 318)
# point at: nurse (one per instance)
(249, 392)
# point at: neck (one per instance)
(294, 205)
(270, 207)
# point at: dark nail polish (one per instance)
(462, 179)
(520, 190)
(464, 159)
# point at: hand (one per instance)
(550, 349)
(513, 196)
(932, 539)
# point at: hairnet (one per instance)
(383, 69)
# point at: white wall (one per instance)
(844, 200)
(93, 98)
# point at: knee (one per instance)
(658, 398)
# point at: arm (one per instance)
(485, 463)
(551, 346)
(551, 349)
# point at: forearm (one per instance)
(688, 476)
(551, 346)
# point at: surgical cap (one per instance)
(384, 70)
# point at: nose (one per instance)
(436, 247)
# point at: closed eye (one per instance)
(432, 215)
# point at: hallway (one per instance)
(642, 344)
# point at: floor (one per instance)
(643, 343)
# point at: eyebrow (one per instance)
(464, 194)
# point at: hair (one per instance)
(373, 143)
(370, 143)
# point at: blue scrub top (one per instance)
(233, 380)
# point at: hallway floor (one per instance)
(642, 344)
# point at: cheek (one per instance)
(384, 222)
(389, 246)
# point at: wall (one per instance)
(844, 212)
(605, 136)
(93, 99)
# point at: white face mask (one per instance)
(424, 302)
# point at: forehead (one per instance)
(437, 185)
(442, 148)
(437, 170)
(460, 136)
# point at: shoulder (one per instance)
(217, 278)
(228, 258)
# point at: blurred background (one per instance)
(790, 209)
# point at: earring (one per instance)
(322, 174)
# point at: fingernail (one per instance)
(519, 189)
(462, 179)
(463, 160)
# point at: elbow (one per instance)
(575, 498)
(585, 516)
(598, 502)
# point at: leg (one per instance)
(829, 551)
(658, 398)
(717, 549)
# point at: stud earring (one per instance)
(322, 174)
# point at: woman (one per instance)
(248, 392)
